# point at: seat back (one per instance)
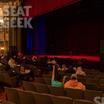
(12, 95)
(92, 84)
(61, 100)
(7, 102)
(56, 91)
(28, 86)
(47, 80)
(26, 97)
(91, 94)
(39, 80)
(80, 101)
(41, 88)
(41, 98)
(101, 84)
(1, 77)
(74, 93)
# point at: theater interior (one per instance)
(51, 52)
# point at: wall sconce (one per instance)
(2, 48)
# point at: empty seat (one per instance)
(39, 80)
(26, 98)
(56, 91)
(1, 77)
(61, 100)
(7, 80)
(28, 86)
(47, 81)
(12, 95)
(81, 101)
(101, 85)
(74, 93)
(91, 94)
(82, 79)
(41, 98)
(92, 84)
(41, 88)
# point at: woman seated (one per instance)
(56, 79)
(74, 84)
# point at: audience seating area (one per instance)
(29, 97)
(40, 91)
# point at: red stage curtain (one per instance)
(43, 6)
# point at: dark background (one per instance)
(75, 29)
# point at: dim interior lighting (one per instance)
(2, 48)
(1, 21)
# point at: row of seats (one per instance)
(5, 78)
(28, 97)
(73, 93)
(7, 102)
(90, 83)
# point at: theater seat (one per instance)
(41, 98)
(41, 88)
(61, 100)
(28, 86)
(7, 102)
(74, 93)
(7, 80)
(81, 101)
(12, 95)
(26, 98)
(91, 94)
(56, 91)
(101, 85)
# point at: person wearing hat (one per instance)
(74, 83)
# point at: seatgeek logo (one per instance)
(99, 100)
(16, 17)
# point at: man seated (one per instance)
(74, 84)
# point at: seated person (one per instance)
(26, 73)
(79, 71)
(62, 68)
(12, 63)
(74, 84)
(56, 80)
